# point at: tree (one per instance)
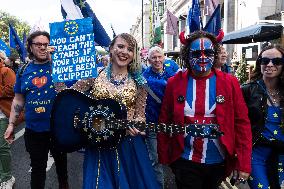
(20, 27)
(241, 72)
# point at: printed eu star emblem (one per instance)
(275, 132)
(220, 99)
(105, 137)
(91, 108)
(98, 139)
(275, 115)
(259, 185)
(85, 129)
(90, 136)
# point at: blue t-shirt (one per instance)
(37, 87)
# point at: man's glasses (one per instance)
(39, 45)
(199, 53)
(275, 61)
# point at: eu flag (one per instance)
(194, 17)
(15, 42)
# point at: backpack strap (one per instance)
(23, 68)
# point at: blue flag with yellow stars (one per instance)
(15, 42)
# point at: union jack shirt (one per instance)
(200, 107)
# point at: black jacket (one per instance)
(256, 99)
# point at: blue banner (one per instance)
(75, 55)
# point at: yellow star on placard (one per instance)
(280, 170)
(41, 70)
(259, 185)
(275, 132)
(275, 115)
(34, 72)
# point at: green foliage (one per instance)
(19, 26)
(241, 72)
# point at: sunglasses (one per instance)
(275, 61)
(199, 53)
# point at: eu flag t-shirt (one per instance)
(38, 90)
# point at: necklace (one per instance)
(274, 96)
(118, 81)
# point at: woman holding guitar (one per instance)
(126, 165)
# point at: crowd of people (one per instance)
(225, 129)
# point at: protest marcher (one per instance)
(35, 92)
(210, 102)
(7, 81)
(264, 96)
(127, 165)
(156, 75)
(221, 60)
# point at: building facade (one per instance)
(236, 15)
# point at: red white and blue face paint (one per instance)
(201, 55)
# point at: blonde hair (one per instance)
(135, 65)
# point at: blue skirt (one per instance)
(125, 167)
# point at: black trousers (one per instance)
(38, 144)
(191, 175)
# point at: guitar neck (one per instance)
(202, 130)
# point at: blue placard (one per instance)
(74, 57)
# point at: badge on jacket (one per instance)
(220, 99)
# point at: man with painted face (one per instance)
(210, 104)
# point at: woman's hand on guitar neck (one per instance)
(134, 132)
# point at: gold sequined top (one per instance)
(132, 97)
(125, 93)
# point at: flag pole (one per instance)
(142, 24)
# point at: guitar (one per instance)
(78, 120)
